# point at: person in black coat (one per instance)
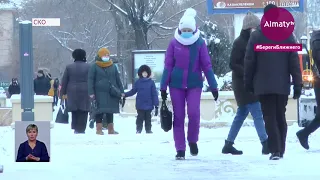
(14, 87)
(146, 100)
(75, 88)
(41, 84)
(267, 75)
(55, 89)
(303, 134)
(247, 102)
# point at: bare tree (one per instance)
(313, 13)
(143, 16)
(89, 29)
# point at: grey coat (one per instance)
(75, 86)
(99, 80)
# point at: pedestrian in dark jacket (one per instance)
(56, 89)
(303, 134)
(41, 84)
(14, 87)
(146, 100)
(106, 88)
(267, 75)
(247, 102)
(75, 88)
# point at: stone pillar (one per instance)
(42, 109)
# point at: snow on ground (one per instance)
(129, 156)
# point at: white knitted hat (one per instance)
(188, 19)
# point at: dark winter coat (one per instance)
(75, 86)
(14, 89)
(41, 85)
(56, 84)
(237, 66)
(147, 95)
(99, 82)
(269, 72)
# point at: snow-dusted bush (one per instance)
(219, 47)
(224, 83)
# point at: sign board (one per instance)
(256, 6)
(5, 84)
(154, 59)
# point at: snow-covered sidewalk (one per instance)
(128, 156)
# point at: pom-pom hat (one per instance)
(188, 20)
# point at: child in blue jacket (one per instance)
(146, 100)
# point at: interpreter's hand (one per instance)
(34, 158)
(28, 157)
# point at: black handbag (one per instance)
(62, 116)
(165, 117)
(114, 91)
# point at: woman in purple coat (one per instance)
(186, 58)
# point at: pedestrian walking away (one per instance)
(75, 89)
(247, 102)
(41, 84)
(186, 57)
(146, 99)
(106, 88)
(303, 134)
(56, 89)
(267, 75)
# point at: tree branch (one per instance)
(123, 12)
(96, 6)
(156, 38)
(62, 44)
(157, 10)
(179, 12)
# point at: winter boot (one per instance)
(303, 134)
(275, 156)
(104, 126)
(193, 149)
(111, 129)
(265, 147)
(99, 129)
(138, 132)
(229, 149)
(149, 132)
(281, 155)
(180, 155)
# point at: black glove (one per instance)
(297, 92)
(156, 111)
(164, 95)
(215, 94)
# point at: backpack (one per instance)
(315, 48)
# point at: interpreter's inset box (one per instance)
(32, 141)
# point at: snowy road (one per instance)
(151, 157)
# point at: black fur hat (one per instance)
(79, 55)
(144, 68)
(268, 7)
